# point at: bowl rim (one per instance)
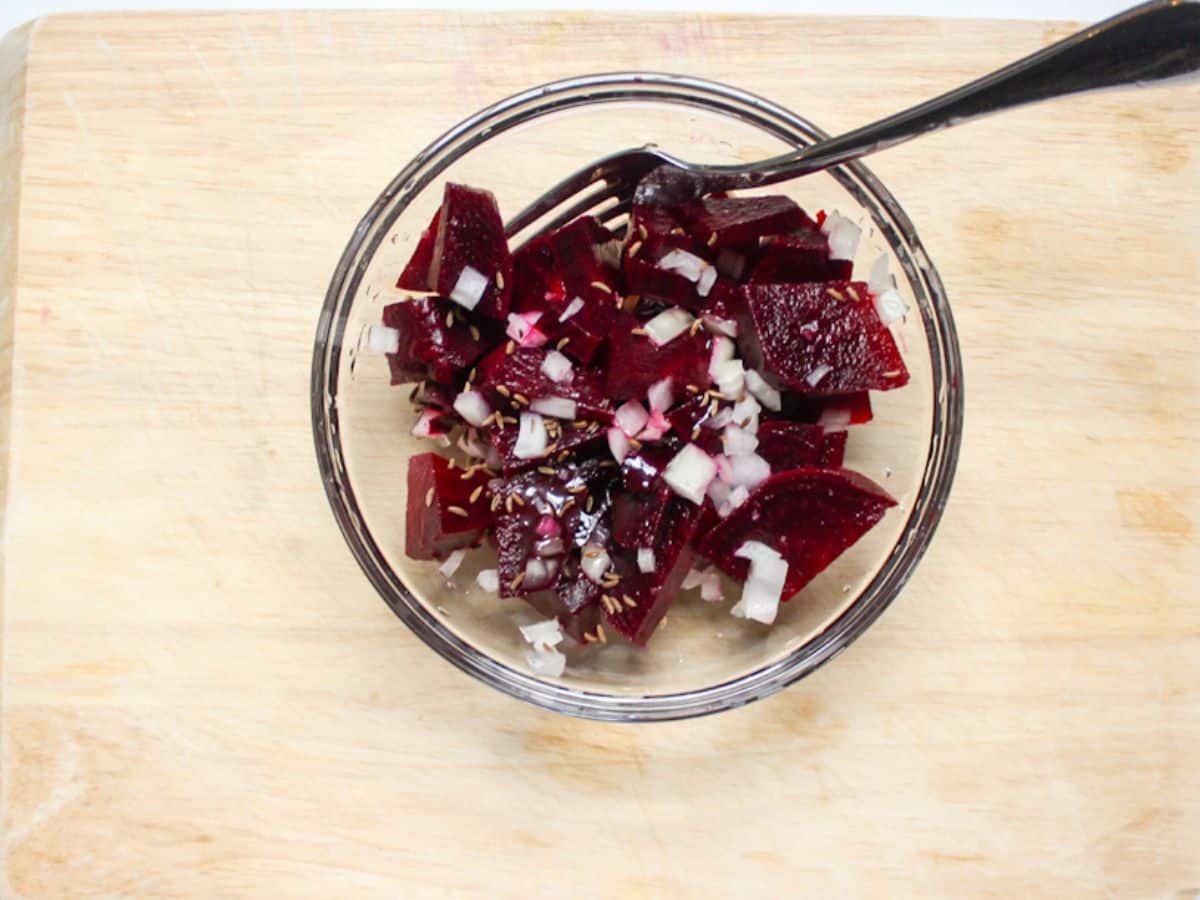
(895, 227)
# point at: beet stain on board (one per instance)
(630, 409)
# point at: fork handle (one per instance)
(1150, 42)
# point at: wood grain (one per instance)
(203, 698)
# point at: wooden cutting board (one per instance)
(203, 698)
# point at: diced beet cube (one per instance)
(809, 516)
(471, 233)
(430, 394)
(587, 328)
(733, 221)
(803, 256)
(635, 363)
(429, 348)
(790, 445)
(504, 375)
(415, 276)
(575, 601)
(833, 450)
(818, 338)
(637, 517)
(658, 223)
(441, 514)
(574, 261)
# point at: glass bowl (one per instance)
(701, 660)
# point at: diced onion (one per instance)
(764, 585)
(631, 417)
(668, 325)
(489, 580)
(539, 572)
(550, 546)
(689, 473)
(645, 559)
(424, 426)
(710, 587)
(881, 277)
(835, 418)
(683, 263)
(763, 392)
(473, 407)
(532, 439)
(890, 306)
(660, 395)
(708, 277)
(548, 526)
(717, 325)
(470, 444)
(468, 290)
(453, 561)
(557, 367)
(543, 634)
(814, 377)
(546, 662)
(843, 236)
(618, 444)
(730, 378)
(748, 470)
(555, 407)
(745, 414)
(573, 307)
(382, 339)
(522, 328)
(723, 350)
(543, 637)
(594, 561)
(739, 441)
(738, 496)
(656, 426)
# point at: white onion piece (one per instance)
(723, 417)
(835, 418)
(708, 277)
(382, 339)
(543, 634)
(522, 328)
(739, 441)
(573, 307)
(763, 392)
(645, 559)
(710, 587)
(660, 395)
(546, 662)
(731, 263)
(453, 561)
(668, 325)
(890, 306)
(843, 236)
(539, 572)
(555, 407)
(693, 579)
(689, 473)
(730, 378)
(594, 561)
(618, 444)
(424, 427)
(473, 407)
(814, 377)
(881, 277)
(745, 414)
(689, 265)
(764, 585)
(738, 496)
(550, 546)
(717, 325)
(748, 470)
(557, 367)
(532, 439)
(656, 426)
(631, 417)
(723, 350)
(489, 580)
(468, 290)
(543, 637)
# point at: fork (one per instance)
(1147, 43)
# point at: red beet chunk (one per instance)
(833, 450)
(795, 332)
(790, 445)
(635, 363)
(441, 515)
(572, 440)
(644, 278)
(429, 348)
(415, 276)
(588, 328)
(572, 262)
(505, 375)
(836, 411)
(733, 221)
(641, 469)
(800, 257)
(809, 516)
(575, 601)
(638, 517)
(471, 233)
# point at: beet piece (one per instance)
(833, 450)
(471, 233)
(835, 411)
(436, 490)
(790, 445)
(573, 261)
(415, 276)
(520, 372)
(572, 440)
(641, 469)
(732, 221)
(588, 328)
(428, 347)
(575, 601)
(791, 332)
(637, 517)
(800, 257)
(809, 516)
(635, 363)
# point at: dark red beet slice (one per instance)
(471, 233)
(415, 276)
(809, 516)
(833, 450)
(733, 221)
(635, 363)
(572, 262)
(818, 338)
(842, 409)
(575, 601)
(441, 515)
(429, 348)
(799, 257)
(638, 517)
(790, 445)
(504, 375)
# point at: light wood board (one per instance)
(202, 697)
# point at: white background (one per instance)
(14, 12)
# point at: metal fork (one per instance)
(1148, 43)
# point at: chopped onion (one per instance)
(689, 473)
(618, 444)
(489, 580)
(708, 277)
(557, 367)
(730, 378)
(661, 395)
(555, 407)
(738, 496)
(745, 414)
(453, 561)
(543, 634)
(843, 236)
(539, 573)
(532, 439)
(739, 441)
(473, 407)
(890, 306)
(835, 418)
(763, 392)
(748, 470)
(645, 559)
(425, 427)
(683, 263)
(656, 427)
(522, 328)
(594, 561)
(731, 263)
(710, 587)
(881, 278)
(631, 417)
(546, 662)
(573, 307)
(723, 417)
(723, 350)
(814, 377)
(717, 325)
(764, 585)
(468, 290)
(668, 325)
(551, 546)
(543, 637)
(692, 579)
(382, 339)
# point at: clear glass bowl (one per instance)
(701, 660)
